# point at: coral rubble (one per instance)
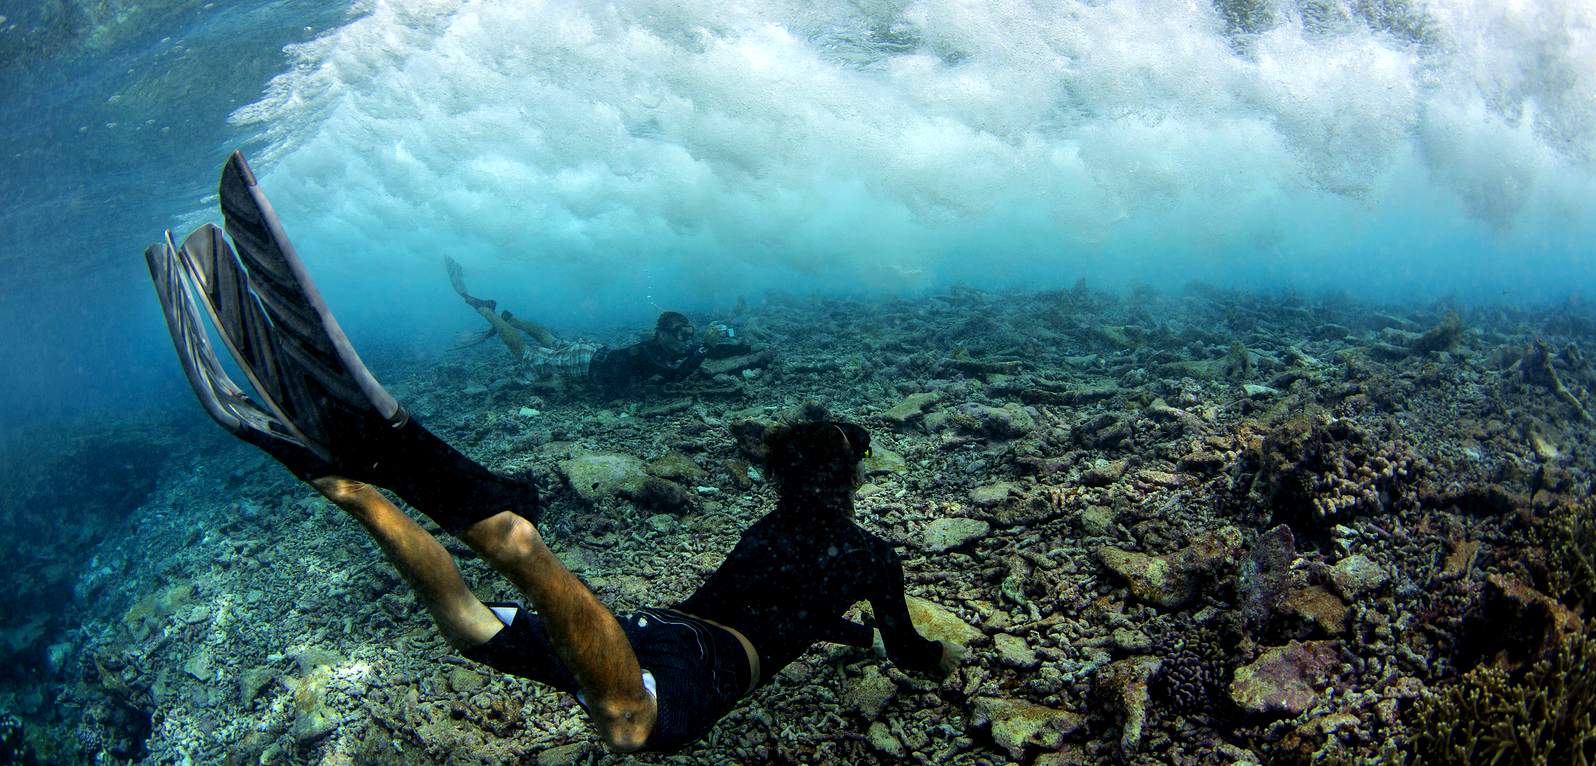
(1200, 527)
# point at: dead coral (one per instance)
(1546, 715)
(1536, 367)
(1442, 337)
(1314, 470)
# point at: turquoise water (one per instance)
(1370, 165)
(598, 161)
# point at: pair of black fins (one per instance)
(316, 409)
(275, 324)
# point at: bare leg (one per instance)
(584, 632)
(533, 330)
(420, 560)
(510, 335)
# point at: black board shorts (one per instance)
(700, 670)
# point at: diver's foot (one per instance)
(479, 304)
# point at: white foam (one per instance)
(685, 152)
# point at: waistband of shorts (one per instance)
(731, 645)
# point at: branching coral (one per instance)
(1547, 715)
(1569, 536)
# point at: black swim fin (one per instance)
(319, 410)
(223, 399)
(305, 334)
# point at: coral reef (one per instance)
(1544, 714)
(1205, 526)
(1316, 470)
(1194, 672)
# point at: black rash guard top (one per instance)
(613, 369)
(790, 579)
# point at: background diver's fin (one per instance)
(306, 360)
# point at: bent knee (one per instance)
(625, 726)
(505, 537)
(343, 491)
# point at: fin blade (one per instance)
(222, 398)
(305, 329)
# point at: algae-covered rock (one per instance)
(677, 467)
(564, 755)
(199, 664)
(988, 495)
(741, 474)
(465, 680)
(312, 658)
(1320, 607)
(252, 681)
(869, 693)
(1096, 519)
(1010, 421)
(1171, 580)
(911, 408)
(882, 739)
(1131, 640)
(947, 534)
(1286, 680)
(659, 494)
(1017, 724)
(1104, 472)
(1125, 684)
(1356, 575)
(601, 475)
(1267, 577)
(884, 461)
(938, 624)
(1258, 391)
(1442, 337)
(1508, 601)
(313, 717)
(1014, 652)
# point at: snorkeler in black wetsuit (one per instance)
(670, 355)
(784, 587)
(659, 678)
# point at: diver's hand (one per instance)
(716, 333)
(952, 656)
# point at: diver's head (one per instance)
(821, 459)
(674, 332)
